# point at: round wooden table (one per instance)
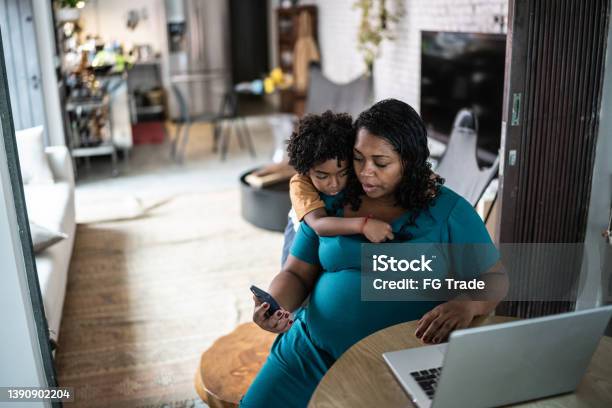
(361, 378)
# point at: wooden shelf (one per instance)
(150, 110)
(287, 22)
(102, 149)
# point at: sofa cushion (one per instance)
(43, 238)
(32, 158)
(49, 204)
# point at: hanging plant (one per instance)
(377, 22)
(72, 3)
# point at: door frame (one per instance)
(23, 234)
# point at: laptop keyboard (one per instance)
(427, 380)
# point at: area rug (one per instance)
(152, 132)
(149, 290)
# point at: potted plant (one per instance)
(377, 20)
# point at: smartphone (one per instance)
(266, 297)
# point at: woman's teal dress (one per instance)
(335, 317)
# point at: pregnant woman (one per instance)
(396, 185)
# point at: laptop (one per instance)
(503, 363)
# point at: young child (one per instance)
(320, 150)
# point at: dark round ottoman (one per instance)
(265, 207)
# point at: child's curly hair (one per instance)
(319, 138)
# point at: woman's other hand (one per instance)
(377, 231)
(279, 322)
(436, 325)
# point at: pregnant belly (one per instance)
(337, 318)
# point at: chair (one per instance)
(183, 122)
(323, 94)
(459, 165)
(227, 111)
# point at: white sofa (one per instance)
(52, 206)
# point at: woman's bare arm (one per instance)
(293, 283)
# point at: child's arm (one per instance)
(323, 225)
(308, 206)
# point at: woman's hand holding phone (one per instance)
(279, 322)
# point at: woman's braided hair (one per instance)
(400, 125)
(319, 138)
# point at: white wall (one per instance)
(397, 71)
(107, 18)
(20, 356)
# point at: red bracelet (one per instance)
(365, 222)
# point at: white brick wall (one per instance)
(397, 70)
